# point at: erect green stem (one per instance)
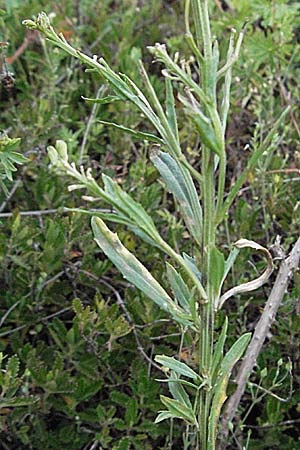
(203, 33)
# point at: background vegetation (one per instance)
(81, 335)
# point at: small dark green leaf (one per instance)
(15, 402)
(123, 444)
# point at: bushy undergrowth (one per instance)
(83, 337)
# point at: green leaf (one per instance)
(128, 208)
(179, 182)
(217, 264)
(178, 367)
(15, 402)
(192, 265)
(235, 353)
(123, 444)
(130, 91)
(230, 261)
(170, 108)
(12, 367)
(218, 352)
(136, 134)
(179, 410)
(180, 289)
(163, 415)
(18, 158)
(203, 125)
(104, 100)
(227, 266)
(178, 391)
(219, 395)
(131, 414)
(134, 271)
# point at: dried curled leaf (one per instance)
(254, 284)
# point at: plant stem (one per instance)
(202, 25)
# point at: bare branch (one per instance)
(10, 195)
(285, 423)
(40, 320)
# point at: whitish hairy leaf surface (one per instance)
(179, 410)
(178, 367)
(179, 182)
(134, 271)
(177, 390)
(125, 205)
(180, 289)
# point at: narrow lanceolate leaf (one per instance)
(203, 124)
(130, 91)
(219, 397)
(218, 352)
(179, 410)
(130, 209)
(234, 354)
(177, 390)
(230, 261)
(207, 133)
(183, 190)
(170, 109)
(177, 366)
(192, 265)
(164, 415)
(227, 267)
(103, 100)
(134, 271)
(136, 134)
(217, 264)
(180, 289)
